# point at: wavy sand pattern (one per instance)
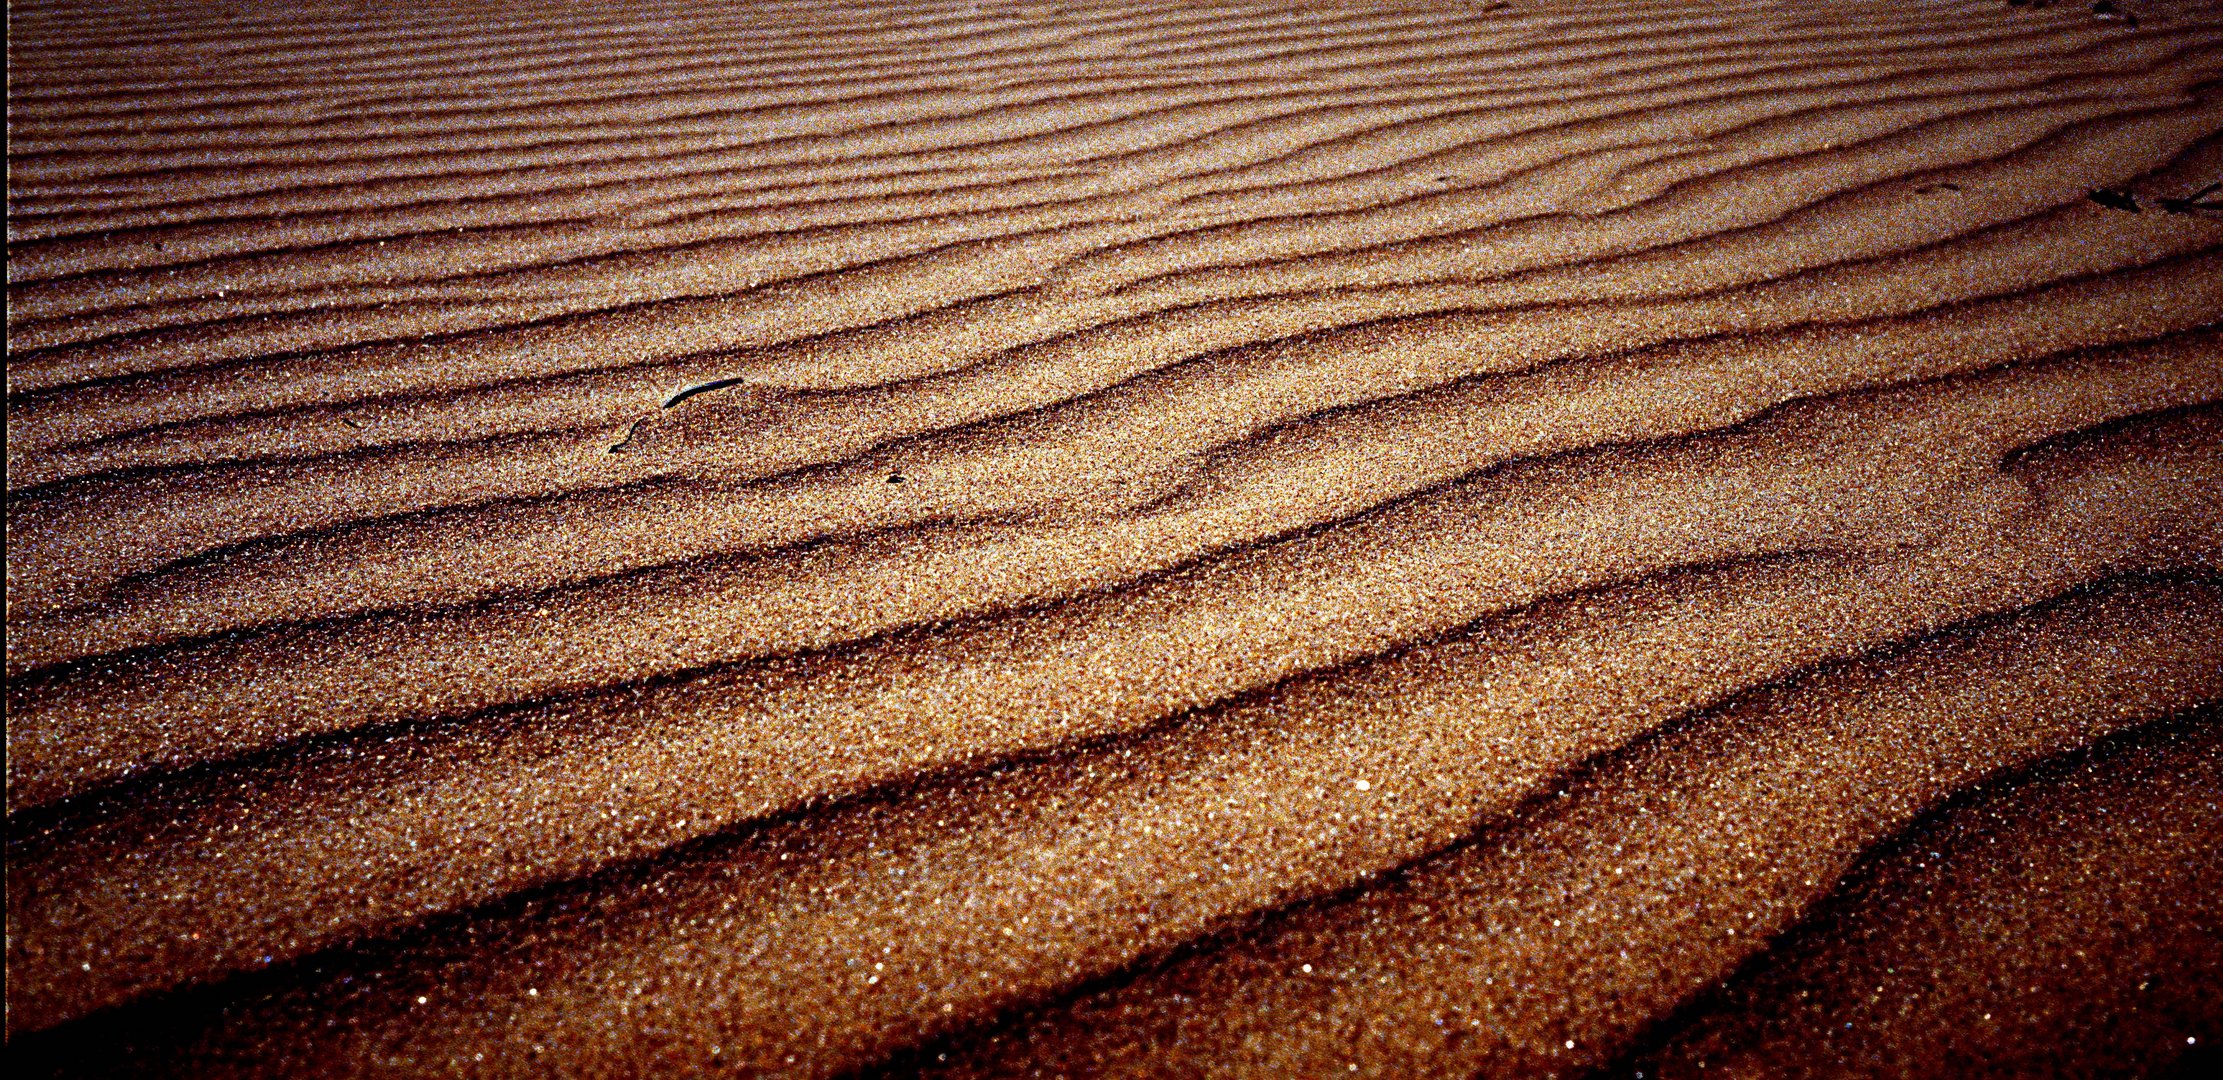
(1408, 538)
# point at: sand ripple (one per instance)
(1408, 538)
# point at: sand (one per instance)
(1395, 539)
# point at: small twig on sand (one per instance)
(2195, 202)
(2115, 200)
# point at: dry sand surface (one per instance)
(1403, 538)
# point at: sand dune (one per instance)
(1059, 539)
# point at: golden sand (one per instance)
(1399, 539)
